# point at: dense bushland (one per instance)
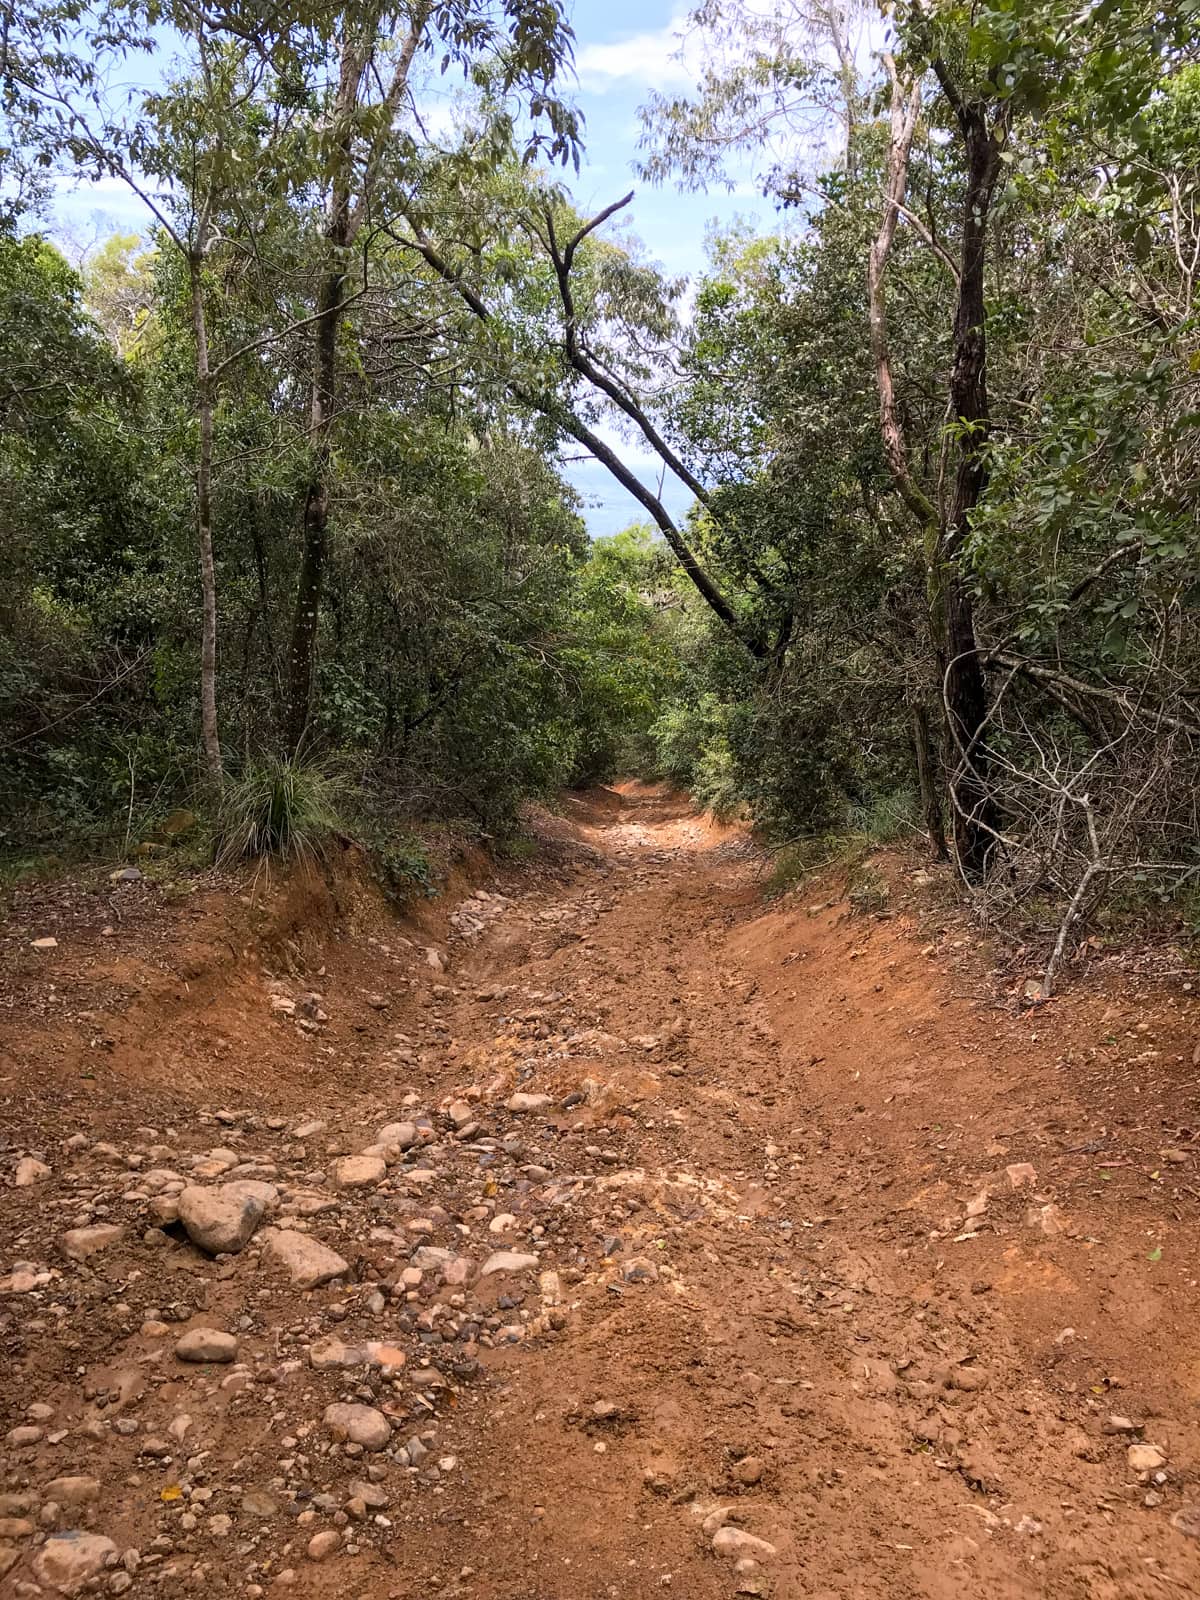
(280, 484)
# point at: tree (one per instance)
(365, 145)
(118, 281)
(604, 332)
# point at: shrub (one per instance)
(280, 808)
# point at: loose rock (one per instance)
(362, 1425)
(80, 1243)
(69, 1560)
(507, 1261)
(359, 1172)
(1145, 1457)
(222, 1219)
(309, 1263)
(528, 1102)
(736, 1543)
(400, 1135)
(323, 1544)
(73, 1491)
(206, 1344)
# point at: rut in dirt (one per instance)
(656, 1241)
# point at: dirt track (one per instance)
(791, 1273)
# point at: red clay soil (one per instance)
(812, 1238)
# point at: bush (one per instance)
(280, 808)
(403, 869)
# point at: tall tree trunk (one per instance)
(931, 798)
(905, 110)
(339, 227)
(357, 162)
(964, 683)
(307, 616)
(209, 733)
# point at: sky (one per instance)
(624, 50)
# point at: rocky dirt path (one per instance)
(645, 1242)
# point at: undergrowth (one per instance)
(889, 819)
(401, 867)
(282, 808)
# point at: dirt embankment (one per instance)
(663, 1241)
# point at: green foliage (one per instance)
(402, 866)
(622, 657)
(816, 857)
(469, 647)
(273, 807)
(692, 749)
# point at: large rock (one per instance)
(221, 1219)
(163, 1210)
(373, 1495)
(528, 1102)
(73, 1491)
(30, 1171)
(309, 1263)
(359, 1172)
(80, 1243)
(68, 1560)
(460, 1112)
(206, 1344)
(397, 1135)
(507, 1261)
(323, 1544)
(739, 1544)
(359, 1424)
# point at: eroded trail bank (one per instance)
(634, 1223)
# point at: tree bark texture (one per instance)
(209, 729)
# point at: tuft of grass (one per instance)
(807, 858)
(517, 847)
(19, 870)
(891, 818)
(280, 808)
(868, 889)
(887, 819)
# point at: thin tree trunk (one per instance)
(931, 799)
(905, 109)
(904, 112)
(209, 733)
(357, 167)
(306, 620)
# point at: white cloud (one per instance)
(667, 58)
